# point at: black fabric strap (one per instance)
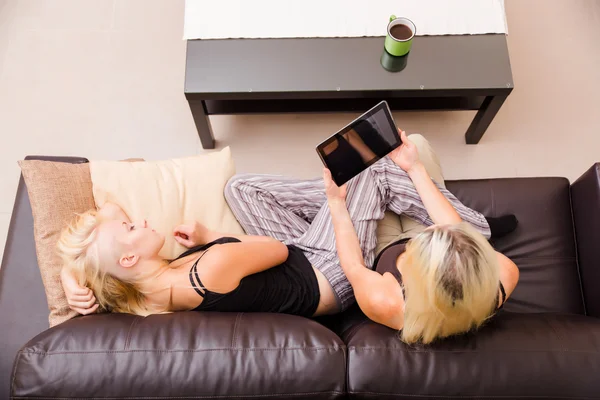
(195, 271)
(405, 240)
(503, 293)
(197, 277)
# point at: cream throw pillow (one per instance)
(168, 193)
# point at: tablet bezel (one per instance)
(382, 106)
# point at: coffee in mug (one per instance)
(400, 34)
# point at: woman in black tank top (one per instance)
(289, 288)
(387, 262)
(444, 281)
(243, 274)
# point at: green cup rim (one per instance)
(401, 18)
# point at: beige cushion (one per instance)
(57, 191)
(168, 193)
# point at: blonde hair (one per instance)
(451, 283)
(81, 256)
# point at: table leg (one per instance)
(488, 110)
(202, 124)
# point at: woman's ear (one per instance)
(128, 260)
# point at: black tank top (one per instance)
(386, 262)
(289, 288)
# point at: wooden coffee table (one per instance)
(345, 74)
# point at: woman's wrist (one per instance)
(64, 274)
(336, 203)
(416, 170)
(67, 276)
(210, 236)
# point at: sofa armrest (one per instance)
(585, 198)
(23, 305)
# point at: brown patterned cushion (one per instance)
(57, 192)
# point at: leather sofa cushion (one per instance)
(183, 354)
(515, 356)
(542, 246)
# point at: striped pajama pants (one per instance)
(296, 212)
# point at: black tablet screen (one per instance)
(360, 144)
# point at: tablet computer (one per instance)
(360, 144)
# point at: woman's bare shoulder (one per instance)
(386, 305)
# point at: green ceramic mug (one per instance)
(399, 44)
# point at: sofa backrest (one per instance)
(542, 246)
(585, 196)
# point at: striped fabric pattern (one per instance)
(296, 212)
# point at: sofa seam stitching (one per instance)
(347, 372)
(560, 338)
(471, 351)
(127, 338)
(562, 258)
(192, 397)
(14, 372)
(235, 325)
(353, 330)
(183, 350)
(468, 397)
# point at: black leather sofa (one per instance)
(544, 344)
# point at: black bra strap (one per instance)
(192, 279)
(405, 240)
(503, 296)
(194, 270)
(503, 293)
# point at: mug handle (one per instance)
(392, 17)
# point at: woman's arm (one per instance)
(80, 298)
(214, 235)
(509, 274)
(228, 263)
(194, 233)
(435, 205)
(378, 296)
(440, 210)
(438, 207)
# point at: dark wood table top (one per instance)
(216, 69)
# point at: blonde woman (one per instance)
(288, 263)
(446, 280)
